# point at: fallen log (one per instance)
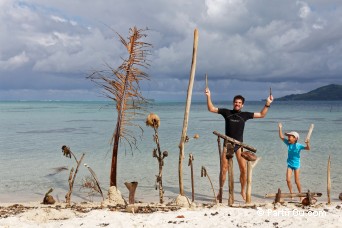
(291, 195)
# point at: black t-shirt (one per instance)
(235, 122)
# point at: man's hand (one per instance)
(269, 100)
(207, 92)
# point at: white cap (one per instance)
(293, 133)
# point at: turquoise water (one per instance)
(32, 134)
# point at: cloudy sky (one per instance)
(47, 48)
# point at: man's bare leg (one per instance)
(223, 174)
(243, 173)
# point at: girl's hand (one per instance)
(280, 125)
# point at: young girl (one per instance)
(293, 159)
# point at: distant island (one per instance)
(331, 92)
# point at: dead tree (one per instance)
(122, 86)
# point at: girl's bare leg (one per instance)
(296, 175)
(288, 178)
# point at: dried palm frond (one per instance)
(122, 86)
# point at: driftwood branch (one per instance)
(236, 142)
(72, 176)
(220, 175)
(230, 150)
(191, 158)
(291, 195)
(328, 180)
(204, 173)
(309, 133)
(96, 180)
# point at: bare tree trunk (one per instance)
(186, 114)
(113, 169)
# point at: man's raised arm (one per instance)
(211, 107)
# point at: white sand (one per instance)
(287, 215)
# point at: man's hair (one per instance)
(239, 97)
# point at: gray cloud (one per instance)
(49, 47)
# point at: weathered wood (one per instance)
(236, 142)
(328, 181)
(72, 178)
(309, 196)
(220, 176)
(96, 179)
(191, 158)
(186, 113)
(277, 197)
(309, 133)
(230, 149)
(291, 195)
(131, 186)
(206, 81)
(205, 174)
(250, 166)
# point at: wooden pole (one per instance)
(186, 114)
(250, 166)
(328, 181)
(220, 176)
(230, 150)
(191, 158)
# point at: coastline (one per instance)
(87, 214)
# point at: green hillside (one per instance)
(331, 92)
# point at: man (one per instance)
(235, 123)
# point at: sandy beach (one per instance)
(86, 214)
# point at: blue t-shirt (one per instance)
(293, 158)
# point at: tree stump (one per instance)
(250, 166)
(131, 186)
